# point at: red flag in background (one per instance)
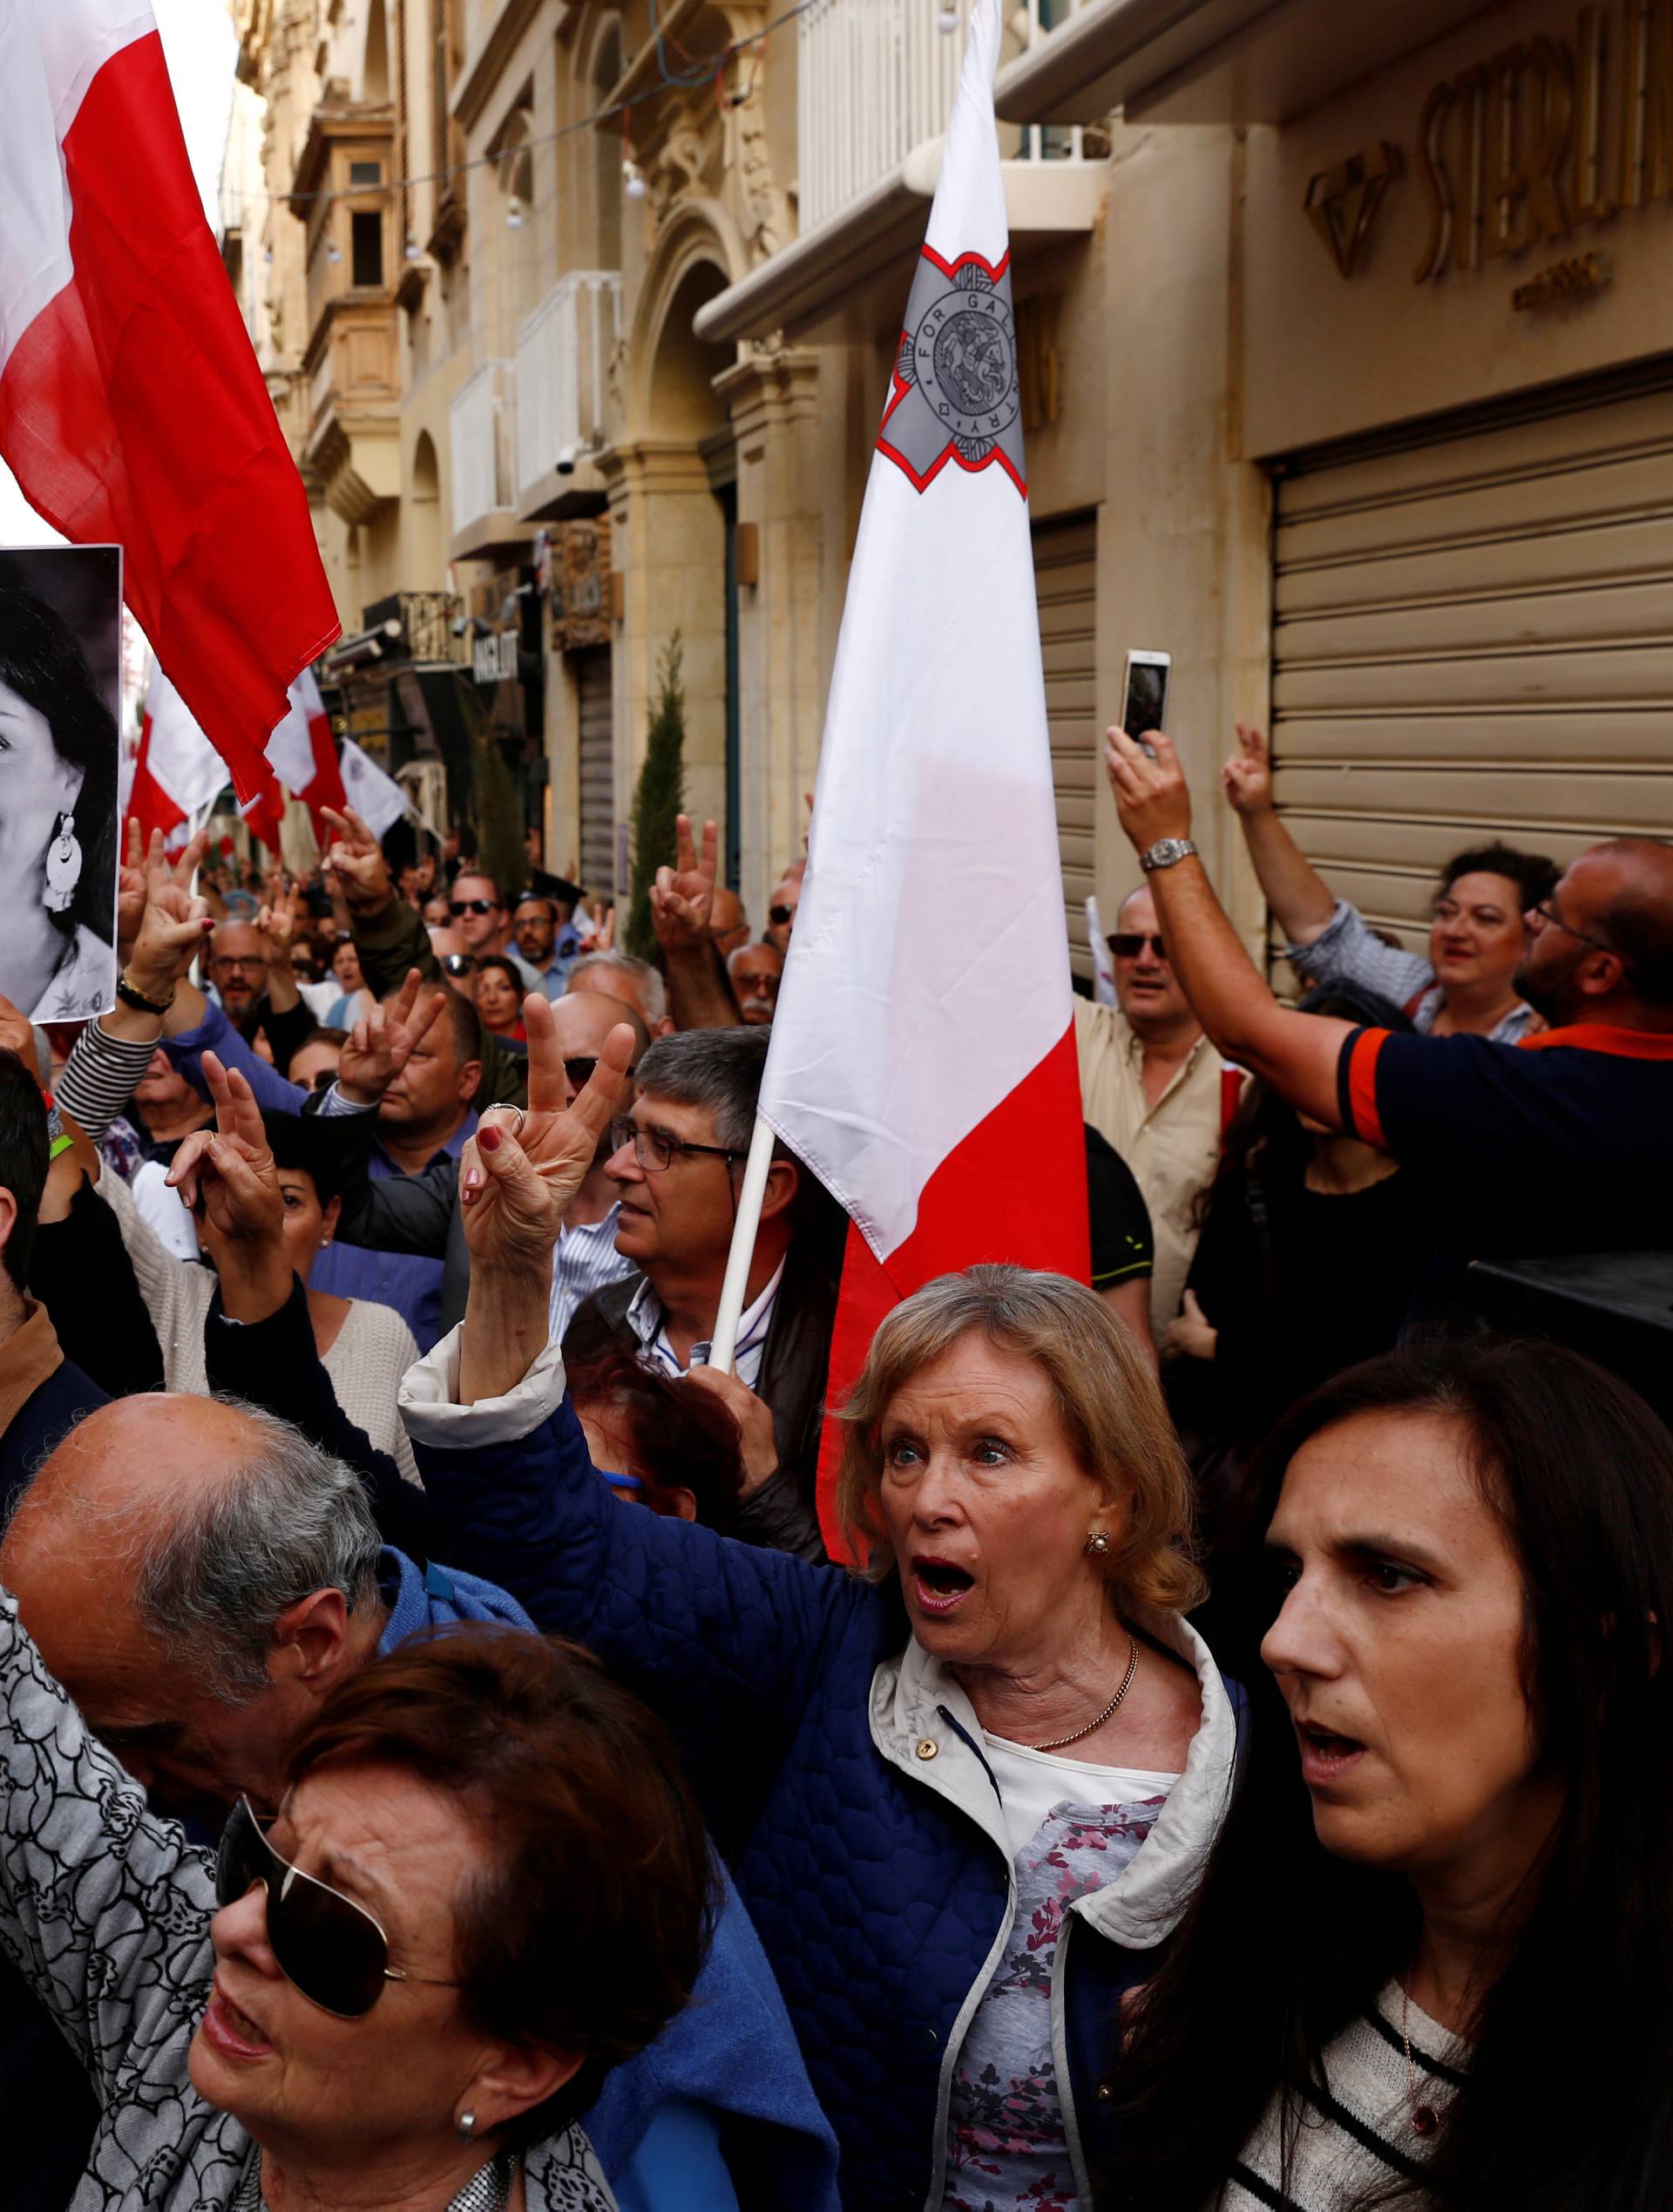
(132, 405)
(303, 755)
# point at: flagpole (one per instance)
(725, 1342)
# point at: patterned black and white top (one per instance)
(105, 1910)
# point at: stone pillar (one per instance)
(772, 395)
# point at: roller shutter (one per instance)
(598, 771)
(1066, 576)
(1474, 636)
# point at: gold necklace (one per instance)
(1057, 1742)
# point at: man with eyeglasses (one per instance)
(1556, 1144)
(478, 910)
(1151, 1086)
(782, 905)
(255, 990)
(677, 1166)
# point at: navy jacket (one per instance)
(879, 1902)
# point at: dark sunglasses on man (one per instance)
(458, 906)
(779, 915)
(1129, 944)
(326, 1945)
(457, 964)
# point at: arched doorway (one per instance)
(426, 554)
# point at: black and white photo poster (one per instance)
(60, 695)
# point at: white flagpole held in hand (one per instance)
(743, 1248)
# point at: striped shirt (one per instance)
(644, 1318)
(584, 1259)
(1356, 2133)
(1345, 951)
(99, 1075)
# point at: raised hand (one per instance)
(757, 1447)
(1247, 777)
(229, 1169)
(1152, 797)
(173, 924)
(357, 859)
(682, 897)
(17, 1034)
(517, 1178)
(382, 1042)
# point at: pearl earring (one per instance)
(1098, 1541)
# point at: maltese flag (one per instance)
(177, 773)
(923, 1057)
(133, 409)
(377, 799)
(303, 755)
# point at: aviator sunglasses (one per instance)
(329, 1947)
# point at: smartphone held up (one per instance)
(1144, 701)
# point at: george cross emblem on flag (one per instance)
(954, 395)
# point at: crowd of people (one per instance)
(447, 1764)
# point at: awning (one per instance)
(1213, 61)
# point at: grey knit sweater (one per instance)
(1354, 2136)
(105, 1910)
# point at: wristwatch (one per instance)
(1165, 852)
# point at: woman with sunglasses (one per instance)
(1431, 1960)
(1467, 985)
(487, 1883)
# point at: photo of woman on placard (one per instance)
(57, 809)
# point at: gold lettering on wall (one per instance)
(1520, 149)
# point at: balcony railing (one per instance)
(483, 437)
(876, 79)
(563, 360)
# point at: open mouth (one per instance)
(231, 2032)
(1324, 1754)
(940, 1586)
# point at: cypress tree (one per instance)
(658, 798)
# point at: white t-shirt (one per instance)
(1031, 1782)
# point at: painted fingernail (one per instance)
(488, 1138)
(473, 1178)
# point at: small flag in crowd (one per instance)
(923, 1055)
(303, 753)
(177, 773)
(377, 799)
(131, 406)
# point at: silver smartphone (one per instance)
(1144, 705)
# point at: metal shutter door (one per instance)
(598, 771)
(1065, 579)
(1474, 636)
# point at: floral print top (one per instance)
(1006, 2150)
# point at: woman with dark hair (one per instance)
(1467, 985)
(1431, 1960)
(499, 992)
(1312, 1248)
(487, 1882)
(58, 817)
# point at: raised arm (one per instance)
(1296, 891)
(682, 903)
(1297, 1053)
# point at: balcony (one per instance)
(484, 438)
(563, 367)
(875, 84)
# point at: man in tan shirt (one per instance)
(1150, 1082)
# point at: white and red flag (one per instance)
(923, 1058)
(177, 773)
(133, 409)
(303, 755)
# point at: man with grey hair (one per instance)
(677, 1166)
(633, 982)
(198, 1576)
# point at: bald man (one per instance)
(1556, 1144)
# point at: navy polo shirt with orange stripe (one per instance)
(1563, 1143)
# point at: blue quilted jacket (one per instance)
(841, 1779)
